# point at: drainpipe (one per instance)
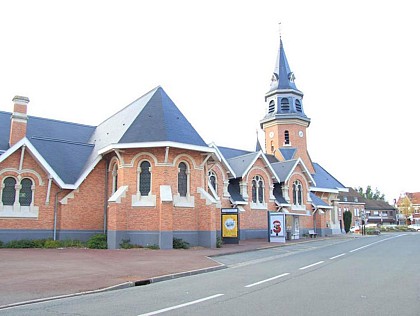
(106, 196)
(55, 214)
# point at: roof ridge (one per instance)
(59, 121)
(57, 140)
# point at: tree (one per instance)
(347, 220)
(369, 194)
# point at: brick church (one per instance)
(146, 175)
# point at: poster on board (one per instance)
(276, 226)
(230, 225)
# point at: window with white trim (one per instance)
(17, 198)
(144, 196)
(183, 197)
(212, 181)
(257, 193)
(182, 179)
(297, 193)
(114, 177)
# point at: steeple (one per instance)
(285, 122)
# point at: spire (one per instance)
(258, 145)
(283, 77)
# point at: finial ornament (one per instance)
(280, 29)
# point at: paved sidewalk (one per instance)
(31, 274)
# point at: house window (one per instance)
(115, 177)
(257, 190)
(298, 106)
(213, 180)
(25, 193)
(286, 138)
(271, 106)
(297, 193)
(144, 178)
(284, 104)
(9, 191)
(182, 179)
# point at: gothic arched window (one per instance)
(145, 178)
(25, 193)
(286, 138)
(297, 193)
(9, 191)
(182, 179)
(257, 190)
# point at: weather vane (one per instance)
(280, 29)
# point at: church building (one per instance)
(146, 175)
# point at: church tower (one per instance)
(285, 122)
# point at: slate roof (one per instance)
(318, 202)
(282, 72)
(352, 196)
(325, 180)
(288, 153)
(70, 149)
(240, 164)
(378, 205)
(278, 194)
(234, 191)
(283, 168)
(229, 153)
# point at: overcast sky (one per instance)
(357, 63)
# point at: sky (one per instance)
(357, 63)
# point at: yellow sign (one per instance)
(229, 225)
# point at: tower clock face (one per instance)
(300, 134)
(271, 134)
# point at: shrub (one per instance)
(154, 247)
(97, 241)
(125, 244)
(219, 242)
(23, 243)
(52, 243)
(178, 243)
(72, 243)
(1, 244)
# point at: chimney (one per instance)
(19, 119)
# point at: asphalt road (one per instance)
(377, 275)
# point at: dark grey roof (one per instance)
(325, 180)
(377, 205)
(4, 130)
(271, 158)
(240, 164)
(234, 191)
(352, 196)
(278, 194)
(229, 153)
(282, 72)
(161, 120)
(288, 153)
(318, 202)
(283, 168)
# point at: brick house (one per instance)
(408, 205)
(145, 174)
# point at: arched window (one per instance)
(298, 106)
(286, 138)
(271, 106)
(284, 104)
(297, 193)
(213, 180)
(182, 179)
(144, 178)
(25, 193)
(9, 191)
(257, 190)
(115, 177)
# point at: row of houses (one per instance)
(373, 211)
(408, 205)
(145, 174)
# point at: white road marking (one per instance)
(267, 280)
(181, 305)
(311, 265)
(376, 242)
(338, 256)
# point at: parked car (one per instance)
(416, 227)
(355, 229)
